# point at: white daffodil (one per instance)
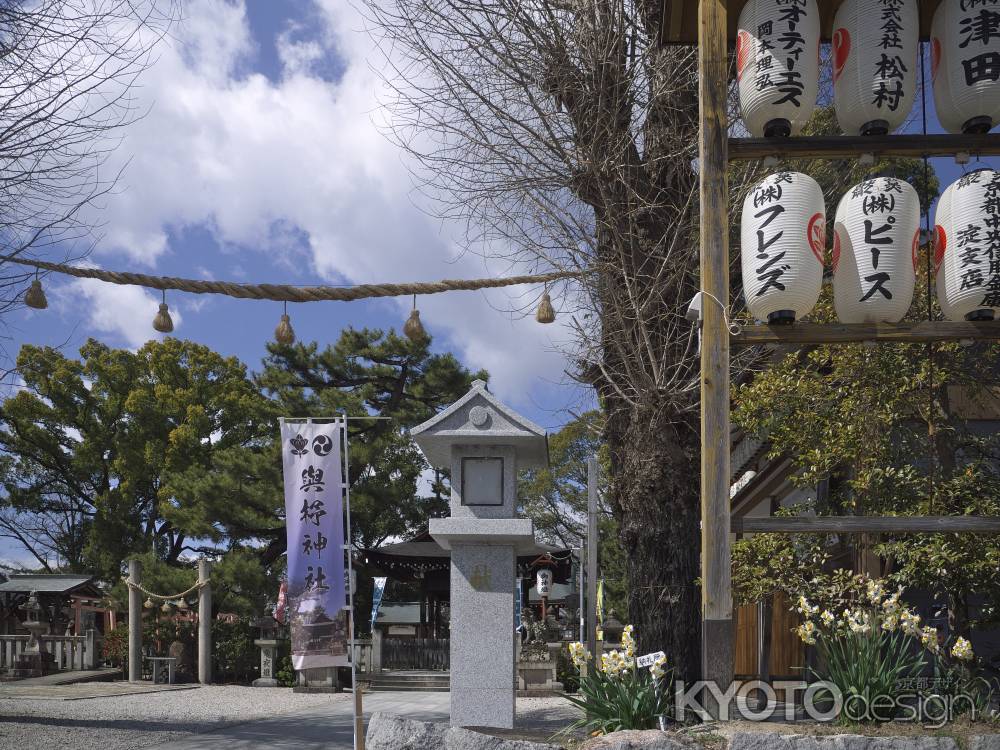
(658, 668)
(628, 641)
(875, 592)
(807, 632)
(929, 639)
(962, 650)
(579, 654)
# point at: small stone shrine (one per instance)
(484, 443)
(34, 661)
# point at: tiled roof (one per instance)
(55, 583)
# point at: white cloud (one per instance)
(123, 311)
(263, 163)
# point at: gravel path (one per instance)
(130, 722)
(139, 721)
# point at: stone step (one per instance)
(417, 683)
(424, 682)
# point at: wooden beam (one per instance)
(868, 525)
(686, 31)
(921, 332)
(846, 147)
(718, 633)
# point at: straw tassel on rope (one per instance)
(545, 313)
(413, 328)
(35, 296)
(163, 322)
(284, 334)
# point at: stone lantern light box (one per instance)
(484, 443)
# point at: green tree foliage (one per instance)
(555, 498)
(172, 451)
(878, 426)
(106, 455)
(371, 373)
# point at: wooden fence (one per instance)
(416, 653)
(786, 652)
(71, 652)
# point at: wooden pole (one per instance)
(134, 622)
(359, 718)
(717, 647)
(592, 476)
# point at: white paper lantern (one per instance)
(777, 53)
(875, 69)
(967, 247)
(543, 582)
(876, 238)
(965, 64)
(783, 235)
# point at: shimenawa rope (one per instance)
(131, 584)
(286, 292)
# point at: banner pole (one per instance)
(359, 736)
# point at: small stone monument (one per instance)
(268, 643)
(538, 663)
(484, 443)
(34, 661)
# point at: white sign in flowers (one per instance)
(649, 659)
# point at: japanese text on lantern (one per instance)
(767, 198)
(976, 242)
(977, 30)
(782, 37)
(890, 70)
(878, 207)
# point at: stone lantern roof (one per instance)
(478, 418)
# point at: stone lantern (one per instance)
(268, 643)
(484, 444)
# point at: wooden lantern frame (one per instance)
(711, 25)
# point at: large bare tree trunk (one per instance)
(656, 498)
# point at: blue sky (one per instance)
(260, 161)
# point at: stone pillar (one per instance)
(483, 666)
(134, 622)
(268, 650)
(376, 665)
(90, 651)
(204, 623)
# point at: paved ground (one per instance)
(230, 717)
(325, 727)
(68, 678)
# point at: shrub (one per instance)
(236, 658)
(114, 649)
(616, 694)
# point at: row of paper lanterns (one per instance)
(875, 244)
(875, 64)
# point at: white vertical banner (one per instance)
(314, 519)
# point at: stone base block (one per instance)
(482, 707)
(387, 732)
(265, 682)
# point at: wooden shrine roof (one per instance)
(680, 19)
